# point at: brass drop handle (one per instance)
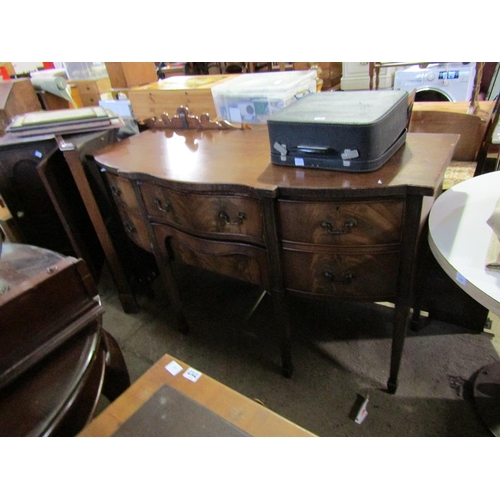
(163, 206)
(349, 224)
(345, 280)
(129, 227)
(241, 217)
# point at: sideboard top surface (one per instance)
(242, 157)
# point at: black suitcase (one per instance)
(352, 131)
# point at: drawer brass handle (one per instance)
(349, 224)
(345, 280)
(129, 227)
(116, 191)
(163, 207)
(241, 217)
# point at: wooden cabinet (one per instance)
(356, 76)
(166, 96)
(214, 200)
(124, 75)
(89, 91)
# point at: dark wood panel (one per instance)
(338, 223)
(229, 216)
(345, 275)
(237, 260)
(136, 229)
(123, 192)
(243, 158)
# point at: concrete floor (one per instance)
(341, 354)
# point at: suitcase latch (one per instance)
(281, 148)
(347, 155)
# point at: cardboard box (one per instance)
(165, 96)
(17, 97)
(124, 75)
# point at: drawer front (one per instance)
(346, 275)
(122, 192)
(136, 229)
(345, 223)
(90, 99)
(237, 260)
(237, 216)
(86, 87)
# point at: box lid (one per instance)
(187, 82)
(268, 84)
(345, 107)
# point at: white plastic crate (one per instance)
(252, 97)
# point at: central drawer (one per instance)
(342, 223)
(235, 216)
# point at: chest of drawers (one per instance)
(214, 200)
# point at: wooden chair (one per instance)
(482, 164)
(475, 130)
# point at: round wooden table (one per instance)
(54, 393)
(460, 239)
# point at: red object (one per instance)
(48, 65)
(4, 73)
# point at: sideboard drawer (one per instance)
(237, 260)
(209, 215)
(123, 192)
(343, 275)
(342, 223)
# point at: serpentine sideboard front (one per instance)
(213, 199)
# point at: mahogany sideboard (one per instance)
(213, 199)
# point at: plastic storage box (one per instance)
(252, 97)
(85, 70)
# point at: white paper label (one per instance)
(174, 368)
(362, 413)
(234, 115)
(192, 374)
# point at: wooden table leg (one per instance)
(126, 296)
(401, 322)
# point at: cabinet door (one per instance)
(237, 260)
